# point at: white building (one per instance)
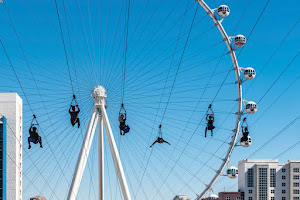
(11, 130)
(181, 197)
(266, 179)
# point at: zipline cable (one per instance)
(126, 47)
(162, 94)
(186, 42)
(63, 41)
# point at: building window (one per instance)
(272, 198)
(296, 177)
(272, 191)
(250, 178)
(296, 198)
(283, 184)
(283, 177)
(250, 191)
(2, 158)
(296, 170)
(263, 184)
(295, 184)
(283, 170)
(272, 177)
(283, 191)
(283, 198)
(250, 198)
(296, 192)
(227, 198)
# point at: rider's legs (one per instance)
(40, 141)
(29, 146)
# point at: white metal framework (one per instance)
(98, 116)
(237, 70)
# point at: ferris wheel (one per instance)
(162, 91)
(218, 15)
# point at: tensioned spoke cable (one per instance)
(176, 74)
(173, 84)
(274, 53)
(29, 103)
(280, 45)
(248, 38)
(145, 76)
(243, 47)
(272, 139)
(165, 87)
(63, 41)
(20, 142)
(30, 68)
(137, 125)
(294, 58)
(137, 76)
(125, 50)
(157, 39)
(71, 47)
(87, 43)
(271, 105)
(159, 55)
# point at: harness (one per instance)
(160, 132)
(36, 125)
(122, 110)
(210, 111)
(244, 125)
(74, 101)
(74, 113)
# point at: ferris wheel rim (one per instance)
(237, 69)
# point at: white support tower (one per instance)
(98, 116)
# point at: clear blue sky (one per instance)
(95, 52)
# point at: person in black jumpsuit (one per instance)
(34, 137)
(122, 120)
(74, 115)
(245, 134)
(210, 123)
(160, 141)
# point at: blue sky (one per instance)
(95, 50)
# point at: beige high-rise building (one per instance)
(11, 106)
(266, 179)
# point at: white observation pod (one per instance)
(239, 40)
(249, 73)
(232, 172)
(246, 143)
(213, 196)
(251, 107)
(223, 11)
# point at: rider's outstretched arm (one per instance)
(30, 129)
(153, 143)
(167, 142)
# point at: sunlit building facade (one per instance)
(2, 158)
(266, 179)
(11, 106)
